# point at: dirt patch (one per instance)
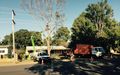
(11, 62)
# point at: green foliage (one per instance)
(97, 14)
(61, 36)
(83, 30)
(96, 26)
(37, 38)
(6, 40)
(23, 38)
(21, 55)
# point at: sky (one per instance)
(24, 20)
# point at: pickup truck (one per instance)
(43, 58)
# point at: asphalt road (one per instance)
(16, 70)
(81, 66)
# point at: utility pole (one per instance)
(13, 36)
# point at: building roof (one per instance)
(45, 48)
(4, 46)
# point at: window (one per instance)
(2, 51)
(30, 51)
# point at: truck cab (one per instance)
(98, 51)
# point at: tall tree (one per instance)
(83, 30)
(50, 12)
(98, 13)
(96, 26)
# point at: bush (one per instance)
(55, 56)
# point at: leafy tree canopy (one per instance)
(96, 26)
(61, 36)
(23, 38)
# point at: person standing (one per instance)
(72, 58)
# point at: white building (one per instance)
(54, 49)
(4, 50)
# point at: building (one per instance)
(54, 49)
(4, 51)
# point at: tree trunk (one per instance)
(48, 45)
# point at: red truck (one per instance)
(83, 49)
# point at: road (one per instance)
(81, 66)
(16, 70)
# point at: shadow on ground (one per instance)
(82, 66)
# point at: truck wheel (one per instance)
(40, 61)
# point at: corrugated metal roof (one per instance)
(45, 48)
(4, 46)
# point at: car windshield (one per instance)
(101, 49)
(98, 49)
